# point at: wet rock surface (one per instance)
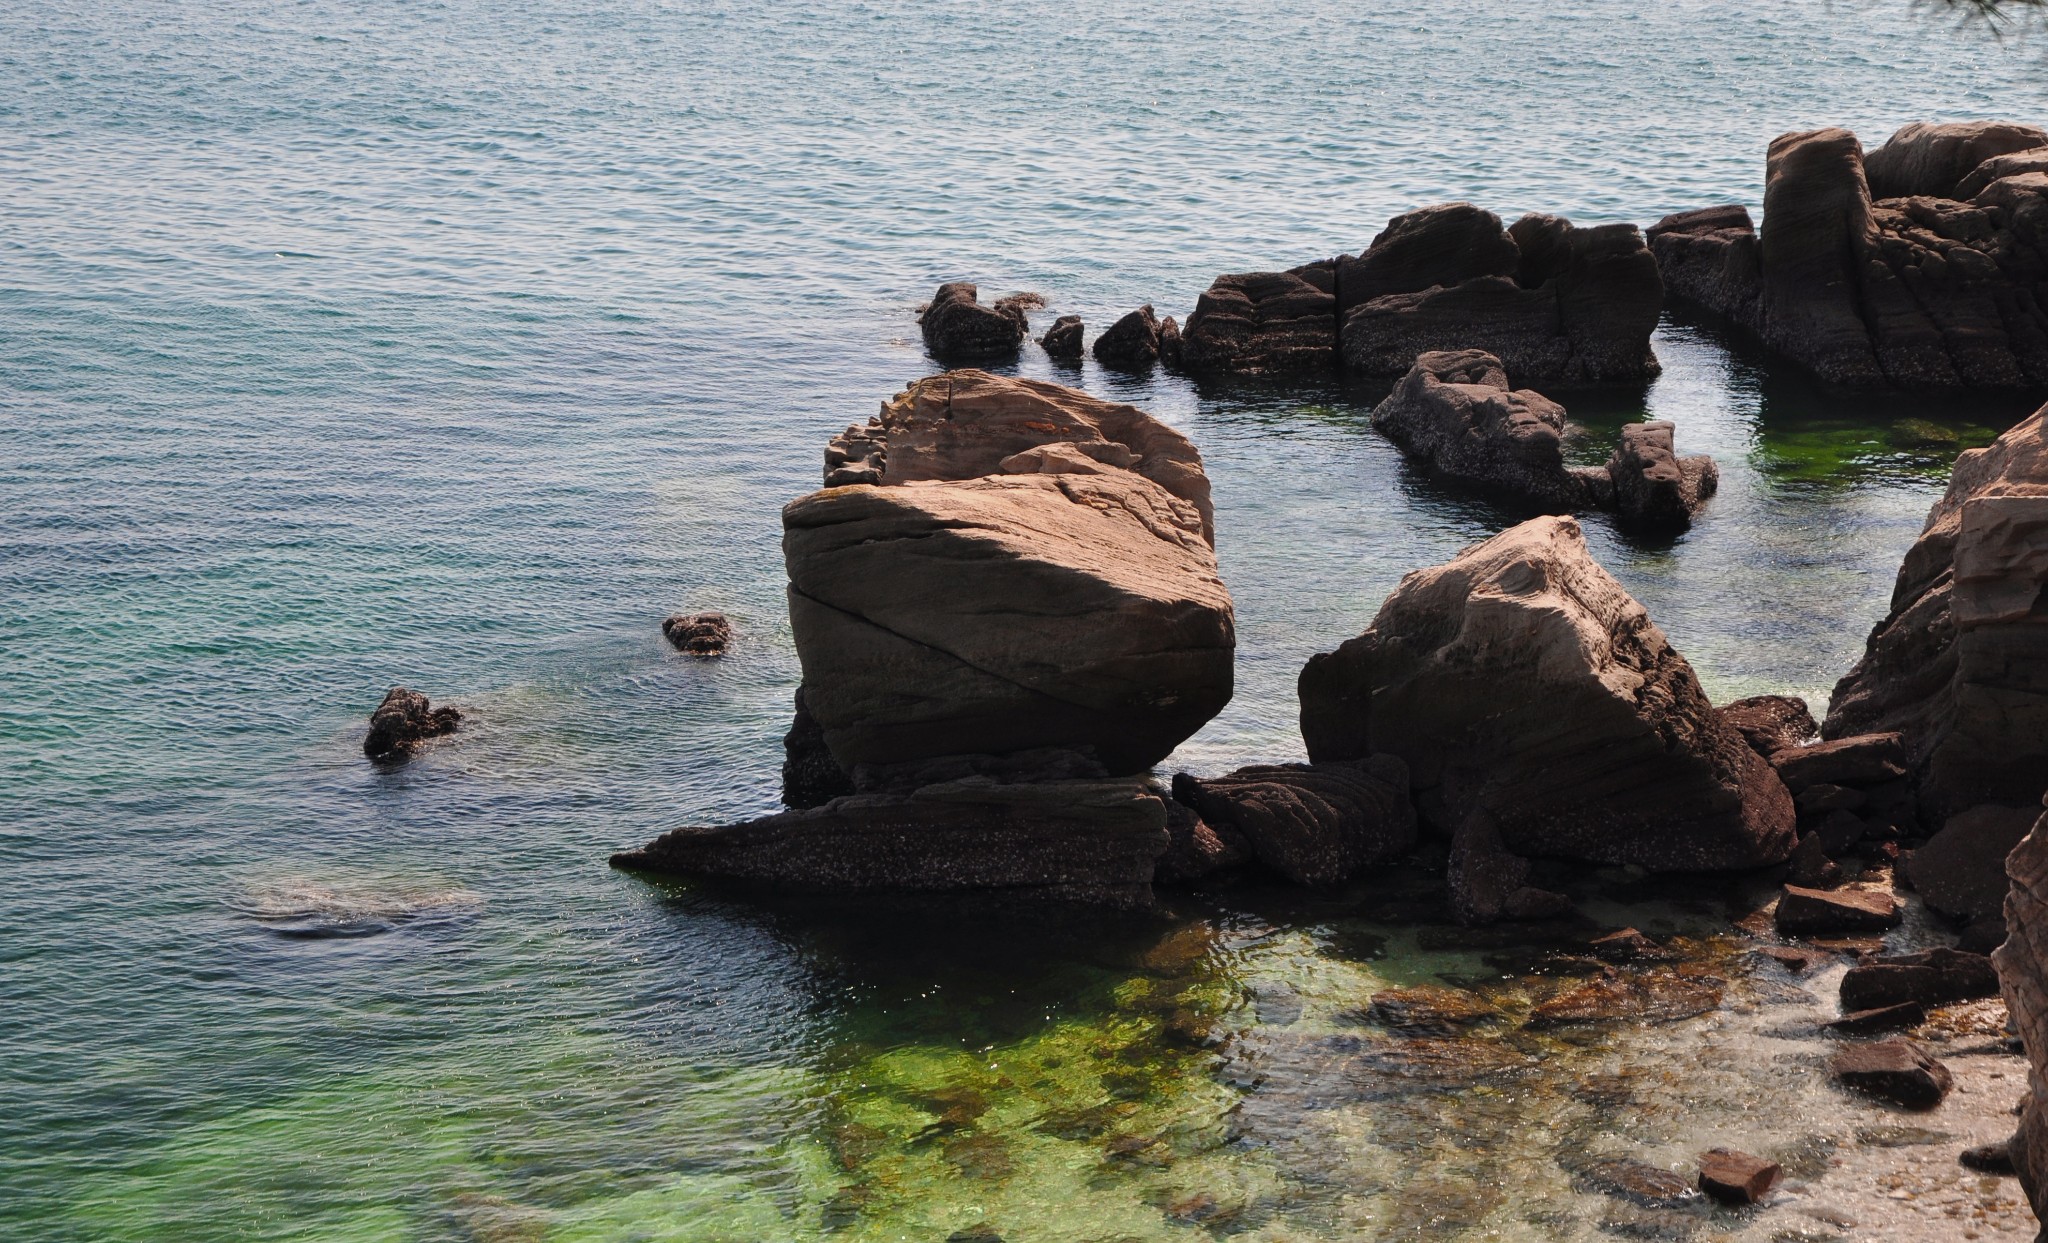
(1652, 485)
(1772, 723)
(1896, 1070)
(1311, 824)
(1806, 912)
(1931, 978)
(957, 327)
(1959, 667)
(1737, 1177)
(402, 721)
(698, 634)
(1131, 343)
(1471, 672)
(1062, 341)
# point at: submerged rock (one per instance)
(405, 719)
(958, 328)
(1428, 1010)
(1537, 705)
(698, 634)
(1620, 996)
(1903, 268)
(1313, 824)
(1959, 666)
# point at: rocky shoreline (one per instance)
(1008, 610)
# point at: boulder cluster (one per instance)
(1924, 265)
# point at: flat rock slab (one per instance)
(1895, 1070)
(1663, 997)
(1736, 1177)
(1879, 1019)
(1428, 1009)
(1638, 1182)
(1868, 759)
(1795, 959)
(1806, 911)
(1930, 978)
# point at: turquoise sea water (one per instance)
(455, 344)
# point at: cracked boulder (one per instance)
(1541, 713)
(1032, 569)
(1959, 667)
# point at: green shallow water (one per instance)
(453, 344)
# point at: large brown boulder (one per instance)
(1959, 667)
(2022, 964)
(1262, 321)
(1914, 267)
(1552, 301)
(1531, 696)
(1033, 569)
(957, 327)
(1925, 158)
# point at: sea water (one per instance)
(455, 344)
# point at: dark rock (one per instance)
(1194, 848)
(698, 634)
(1998, 168)
(957, 327)
(1822, 799)
(1092, 841)
(1454, 411)
(1960, 665)
(1931, 977)
(1902, 1071)
(1802, 912)
(2022, 964)
(1866, 759)
(1812, 868)
(1653, 486)
(1170, 342)
(1431, 246)
(1890, 1018)
(1923, 158)
(404, 720)
(1961, 870)
(1839, 831)
(1062, 341)
(1736, 1177)
(810, 776)
(1540, 711)
(1771, 723)
(1131, 343)
(1261, 321)
(1626, 945)
(1315, 824)
(1710, 257)
(1059, 590)
(1993, 1158)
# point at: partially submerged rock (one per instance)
(698, 634)
(1455, 412)
(1090, 841)
(1772, 723)
(2022, 964)
(1537, 705)
(1902, 1071)
(1131, 343)
(958, 328)
(1312, 824)
(1933, 977)
(1062, 341)
(1903, 268)
(1734, 1177)
(1806, 912)
(402, 721)
(1959, 667)
(1261, 321)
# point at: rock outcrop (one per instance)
(1262, 322)
(404, 720)
(1553, 301)
(1062, 341)
(1906, 268)
(1959, 667)
(2022, 964)
(1131, 343)
(1313, 824)
(698, 634)
(1541, 713)
(1771, 723)
(1455, 412)
(1006, 606)
(957, 327)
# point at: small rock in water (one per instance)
(1636, 1181)
(1131, 343)
(1932, 977)
(1989, 1158)
(1896, 1070)
(1736, 1177)
(1879, 1019)
(1802, 911)
(404, 719)
(699, 634)
(1062, 341)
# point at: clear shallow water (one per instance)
(455, 345)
